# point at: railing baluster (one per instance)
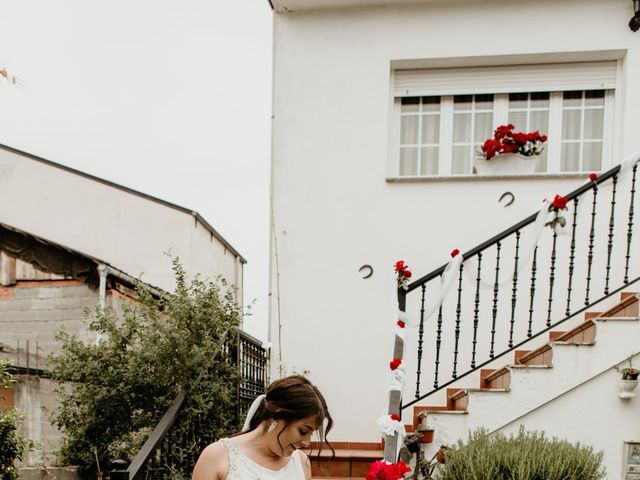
(630, 225)
(514, 290)
(552, 271)
(592, 234)
(610, 241)
(494, 311)
(532, 290)
(438, 343)
(476, 310)
(457, 332)
(420, 340)
(572, 256)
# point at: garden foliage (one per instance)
(12, 446)
(525, 456)
(124, 383)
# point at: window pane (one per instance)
(592, 156)
(430, 104)
(410, 104)
(570, 161)
(462, 127)
(462, 102)
(518, 100)
(572, 99)
(594, 98)
(483, 127)
(408, 161)
(540, 100)
(571, 124)
(484, 102)
(540, 122)
(461, 164)
(430, 129)
(429, 161)
(541, 166)
(518, 120)
(593, 123)
(409, 130)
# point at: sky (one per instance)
(169, 98)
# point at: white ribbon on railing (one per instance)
(391, 427)
(395, 382)
(446, 282)
(527, 252)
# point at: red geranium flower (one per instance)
(593, 177)
(559, 202)
(400, 266)
(401, 324)
(406, 273)
(395, 363)
(454, 252)
(381, 470)
(395, 417)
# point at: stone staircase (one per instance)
(536, 377)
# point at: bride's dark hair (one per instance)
(294, 398)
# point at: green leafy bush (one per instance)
(124, 384)
(525, 456)
(12, 446)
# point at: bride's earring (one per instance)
(272, 427)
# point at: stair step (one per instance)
(495, 378)
(457, 399)
(540, 356)
(583, 333)
(347, 463)
(629, 306)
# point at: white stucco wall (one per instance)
(334, 209)
(128, 231)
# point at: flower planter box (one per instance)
(426, 436)
(627, 388)
(506, 164)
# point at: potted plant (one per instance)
(628, 380)
(424, 431)
(509, 152)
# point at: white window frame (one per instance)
(524, 79)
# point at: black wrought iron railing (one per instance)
(500, 300)
(171, 453)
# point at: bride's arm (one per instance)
(212, 463)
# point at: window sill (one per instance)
(471, 177)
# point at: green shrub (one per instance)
(525, 456)
(123, 385)
(12, 446)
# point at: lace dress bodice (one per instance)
(242, 467)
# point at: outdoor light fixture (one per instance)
(634, 23)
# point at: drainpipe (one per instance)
(103, 271)
(102, 291)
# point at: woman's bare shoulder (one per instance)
(212, 463)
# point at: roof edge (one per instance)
(131, 191)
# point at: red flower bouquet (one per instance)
(505, 140)
(381, 470)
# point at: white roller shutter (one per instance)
(505, 79)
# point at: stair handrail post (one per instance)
(395, 396)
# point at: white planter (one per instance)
(627, 387)
(506, 164)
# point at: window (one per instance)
(440, 134)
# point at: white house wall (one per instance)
(335, 211)
(130, 232)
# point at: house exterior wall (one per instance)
(334, 209)
(130, 232)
